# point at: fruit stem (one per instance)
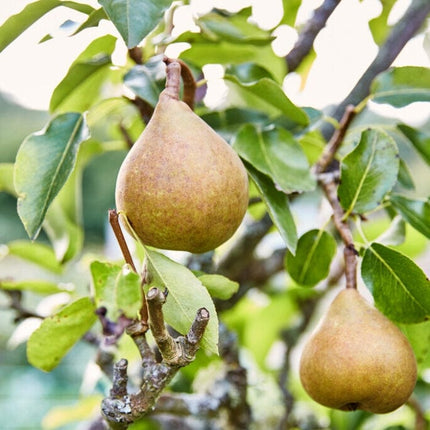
(173, 82)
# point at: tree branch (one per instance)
(307, 37)
(401, 33)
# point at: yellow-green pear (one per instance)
(358, 359)
(181, 186)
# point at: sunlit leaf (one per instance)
(369, 172)
(311, 264)
(379, 25)
(128, 292)
(278, 207)
(400, 288)
(186, 295)
(58, 333)
(43, 164)
(419, 338)
(219, 286)
(6, 178)
(275, 153)
(401, 86)
(415, 212)
(36, 286)
(135, 19)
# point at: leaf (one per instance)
(219, 286)
(135, 19)
(6, 178)
(128, 292)
(419, 338)
(38, 253)
(401, 86)
(379, 25)
(291, 8)
(186, 296)
(415, 212)
(419, 139)
(85, 77)
(272, 93)
(311, 264)
(93, 20)
(278, 206)
(18, 23)
(275, 153)
(400, 288)
(58, 333)
(36, 286)
(395, 234)
(43, 163)
(368, 172)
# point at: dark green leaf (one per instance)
(369, 172)
(400, 288)
(401, 86)
(311, 264)
(278, 206)
(219, 286)
(37, 253)
(186, 296)
(43, 164)
(275, 153)
(415, 212)
(271, 92)
(404, 177)
(135, 19)
(419, 139)
(81, 86)
(36, 286)
(58, 333)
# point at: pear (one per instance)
(358, 359)
(181, 186)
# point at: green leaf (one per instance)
(36, 286)
(186, 296)
(400, 288)
(379, 25)
(6, 178)
(291, 7)
(419, 338)
(368, 172)
(272, 93)
(38, 253)
(18, 23)
(275, 153)
(419, 139)
(311, 264)
(82, 84)
(278, 206)
(135, 19)
(128, 292)
(43, 163)
(401, 86)
(395, 234)
(415, 212)
(93, 20)
(404, 177)
(58, 333)
(219, 286)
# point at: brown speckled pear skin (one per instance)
(358, 359)
(181, 186)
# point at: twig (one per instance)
(401, 33)
(16, 304)
(114, 222)
(125, 135)
(307, 37)
(144, 108)
(420, 418)
(136, 54)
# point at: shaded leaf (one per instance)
(186, 296)
(368, 172)
(278, 206)
(415, 212)
(93, 20)
(38, 253)
(219, 286)
(81, 85)
(18, 23)
(419, 139)
(314, 253)
(275, 153)
(36, 286)
(395, 234)
(43, 163)
(401, 86)
(58, 333)
(135, 19)
(400, 288)
(404, 177)
(271, 92)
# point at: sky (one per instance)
(30, 71)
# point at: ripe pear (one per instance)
(181, 186)
(358, 359)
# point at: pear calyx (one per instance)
(181, 186)
(358, 359)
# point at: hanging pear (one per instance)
(358, 359)
(181, 186)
